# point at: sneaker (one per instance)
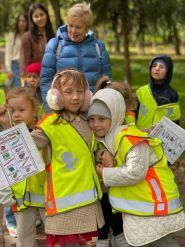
(12, 232)
(38, 223)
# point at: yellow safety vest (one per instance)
(130, 118)
(72, 181)
(2, 97)
(150, 113)
(157, 194)
(30, 192)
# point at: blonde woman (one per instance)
(77, 47)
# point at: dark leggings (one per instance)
(113, 220)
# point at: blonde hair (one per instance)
(82, 10)
(62, 77)
(28, 94)
(122, 87)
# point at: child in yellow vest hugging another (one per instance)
(142, 186)
(73, 211)
(27, 196)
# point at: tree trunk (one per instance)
(176, 40)
(56, 8)
(125, 33)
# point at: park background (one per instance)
(133, 31)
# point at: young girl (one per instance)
(33, 81)
(73, 211)
(141, 184)
(126, 91)
(113, 220)
(33, 76)
(34, 41)
(27, 196)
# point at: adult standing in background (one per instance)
(12, 50)
(34, 41)
(76, 47)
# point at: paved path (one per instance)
(7, 241)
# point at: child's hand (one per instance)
(106, 159)
(150, 129)
(4, 117)
(99, 169)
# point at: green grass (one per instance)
(140, 75)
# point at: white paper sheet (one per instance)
(172, 136)
(19, 156)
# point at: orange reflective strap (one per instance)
(136, 139)
(50, 198)
(42, 119)
(14, 208)
(158, 194)
(131, 113)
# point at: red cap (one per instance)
(34, 68)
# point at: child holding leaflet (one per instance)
(27, 196)
(142, 186)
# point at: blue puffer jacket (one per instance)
(82, 56)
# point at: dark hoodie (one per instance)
(162, 93)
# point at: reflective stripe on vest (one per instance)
(145, 208)
(31, 199)
(69, 201)
(34, 198)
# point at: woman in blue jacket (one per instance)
(75, 46)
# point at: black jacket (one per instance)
(162, 93)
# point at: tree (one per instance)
(116, 12)
(56, 8)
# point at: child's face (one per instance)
(33, 80)
(22, 111)
(100, 125)
(158, 71)
(73, 96)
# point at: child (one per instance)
(73, 211)
(157, 98)
(126, 91)
(27, 196)
(33, 81)
(141, 184)
(9, 217)
(33, 75)
(112, 219)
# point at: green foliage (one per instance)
(140, 76)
